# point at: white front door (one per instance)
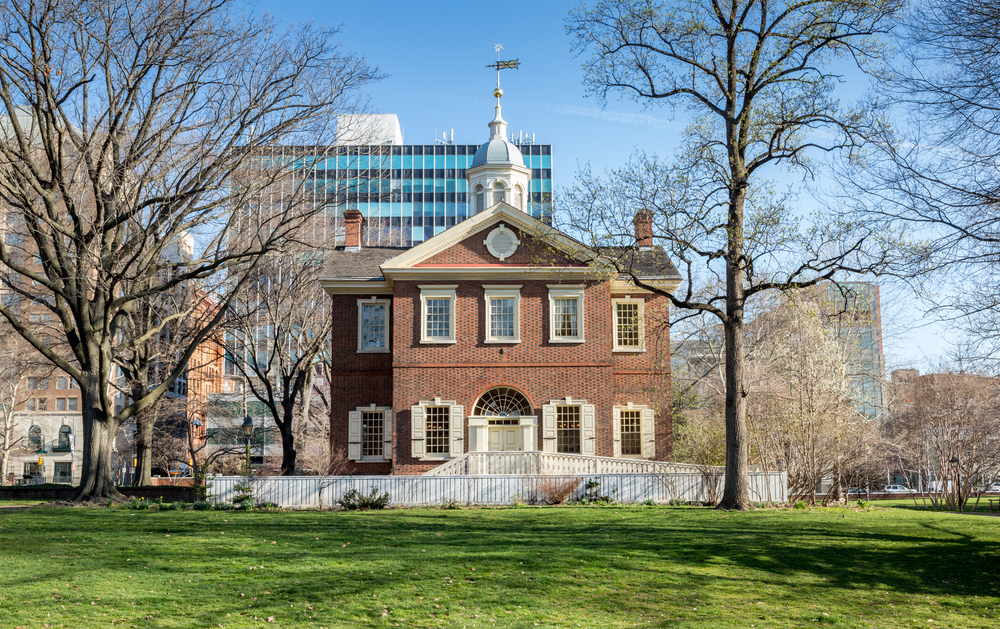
(505, 439)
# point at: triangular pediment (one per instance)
(560, 250)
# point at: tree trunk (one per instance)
(287, 443)
(144, 420)
(736, 494)
(96, 481)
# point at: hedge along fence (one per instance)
(412, 491)
(68, 492)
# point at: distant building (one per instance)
(407, 193)
(854, 311)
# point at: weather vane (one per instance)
(502, 65)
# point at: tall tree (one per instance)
(756, 78)
(131, 124)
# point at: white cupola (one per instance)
(498, 172)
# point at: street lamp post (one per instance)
(958, 472)
(247, 433)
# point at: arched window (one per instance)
(516, 198)
(502, 402)
(480, 199)
(35, 437)
(499, 193)
(64, 434)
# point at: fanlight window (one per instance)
(502, 402)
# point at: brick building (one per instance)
(499, 334)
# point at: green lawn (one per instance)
(527, 567)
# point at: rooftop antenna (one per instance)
(502, 65)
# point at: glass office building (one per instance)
(408, 193)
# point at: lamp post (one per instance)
(247, 433)
(958, 472)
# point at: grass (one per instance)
(526, 567)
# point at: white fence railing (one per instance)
(412, 491)
(552, 463)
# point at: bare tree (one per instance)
(129, 126)
(937, 171)
(274, 336)
(952, 421)
(757, 80)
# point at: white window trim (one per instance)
(437, 291)
(642, 324)
(355, 438)
(373, 350)
(563, 291)
(502, 292)
(647, 430)
(418, 431)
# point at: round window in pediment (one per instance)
(502, 242)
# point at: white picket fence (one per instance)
(303, 492)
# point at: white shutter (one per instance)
(648, 434)
(418, 428)
(548, 428)
(387, 433)
(354, 435)
(589, 435)
(616, 432)
(456, 424)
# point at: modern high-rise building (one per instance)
(407, 193)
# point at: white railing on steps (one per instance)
(507, 463)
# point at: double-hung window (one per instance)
(634, 431)
(565, 314)
(437, 314)
(437, 429)
(373, 325)
(503, 317)
(569, 426)
(629, 329)
(369, 433)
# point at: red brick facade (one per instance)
(462, 371)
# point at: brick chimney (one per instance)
(352, 230)
(643, 222)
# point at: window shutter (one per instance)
(616, 432)
(387, 434)
(418, 428)
(548, 428)
(354, 435)
(589, 432)
(457, 424)
(648, 434)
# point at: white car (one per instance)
(898, 489)
(994, 488)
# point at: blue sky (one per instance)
(435, 54)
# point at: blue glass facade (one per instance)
(411, 192)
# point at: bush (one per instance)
(864, 504)
(223, 506)
(266, 505)
(201, 505)
(801, 504)
(357, 501)
(593, 493)
(171, 506)
(555, 490)
(137, 504)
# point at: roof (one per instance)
(652, 262)
(365, 263)
(498, 151)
